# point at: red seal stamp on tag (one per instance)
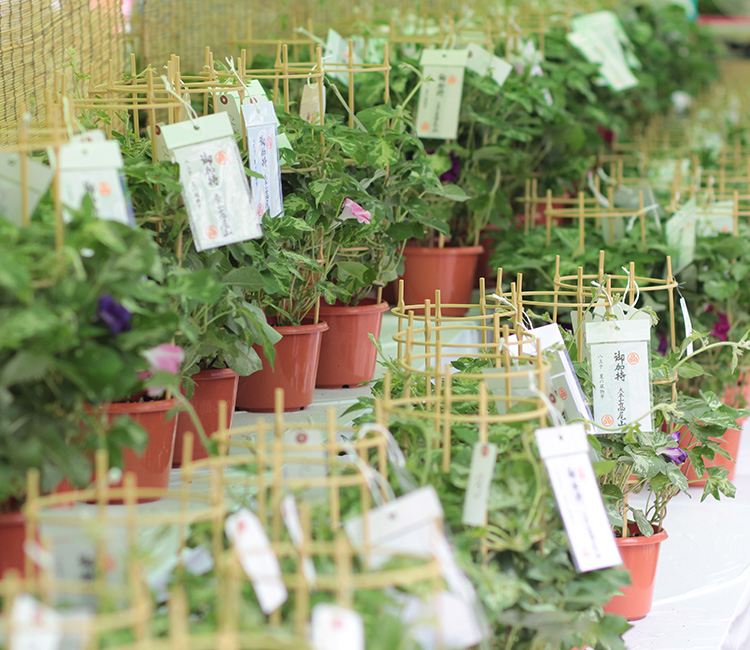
(608, 420)
(104, 189)
(211, 232)
(302, 438)
(269, 142)
(224, 99)
(563, 394)
(425, 126)
(222, 158)
(633, 358)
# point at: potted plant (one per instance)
(86, 326)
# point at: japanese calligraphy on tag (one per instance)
(95, 169)
(440, 99)
(263, 157)
(38, 179)
(481, 472)
(214, 185)
(565, 451)
(619, 357)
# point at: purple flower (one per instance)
(115, 316)
(676, 434)
(721, 326)
(353, 210)
(451, 176)
(663, 344)
(675, 454)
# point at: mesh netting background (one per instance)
(34, 35)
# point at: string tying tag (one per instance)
(526, 321)
(374, 479)
(395, 455)
(192, 115)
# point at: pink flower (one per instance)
(353, 210)
(164, 357)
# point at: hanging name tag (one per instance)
(565, 452)
(38, 179)
(336, 628)
(337, 52)
(313, 102)
(290, 515)
(95, 168)
(481, 472)
(229, 102)
(440, 99)
(688, 324)
(680, 231)
(247, 535)
(521, 384)
(600, 47)
(308, 458)
(619, 357)
(35, 626)
(214, 185)
(485, 63)
(263, 157)
(715, 218)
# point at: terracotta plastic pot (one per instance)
(452, 270)
(153, 466)
(295, 369)
(729, 442)
(347, 355)
(12, 537)
(639, 555)
(211, 387)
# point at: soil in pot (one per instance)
(451, 270)
(640, 555)
(347, 355)
(212, 386)
(295, 369)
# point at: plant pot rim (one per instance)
(141, 407)
(447, 250)
(11, 517)
(642, 540)
(365, 306)
(214, 373)
(305, 328)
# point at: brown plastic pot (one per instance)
(295, 369)
(211, 387)
(451, 270)
(12, 537)
(347, 355)
(640, 556)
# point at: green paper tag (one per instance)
(440, 99)
(680, 231)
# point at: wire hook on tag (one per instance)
(192, 115)
(233, 70)
(605, 292)
(311, 36)
(635, 286)
(526, 321)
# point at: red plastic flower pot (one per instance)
(451, 270)
(212, 386)
(295, 369)
(347, 355)
(640, 556)
(12, 537)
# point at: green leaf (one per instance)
(326, 189)
(643, 524)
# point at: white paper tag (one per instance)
(263, 157)
(336, 628)
(688, 324)
(94, 168)
(290, 515)
(257, 558)
(680, 232)
(310, 104)
(522, 383)
(715, 218)
(600, 47)
(38, 179)
(565, 451)
(485, 63)
(481, 473)
(228, 101)
(440, 99)
(35, 626)
(619, 356)
(337, 51)
(444, 621)
(307, 458)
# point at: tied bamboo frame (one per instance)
(342, 583)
